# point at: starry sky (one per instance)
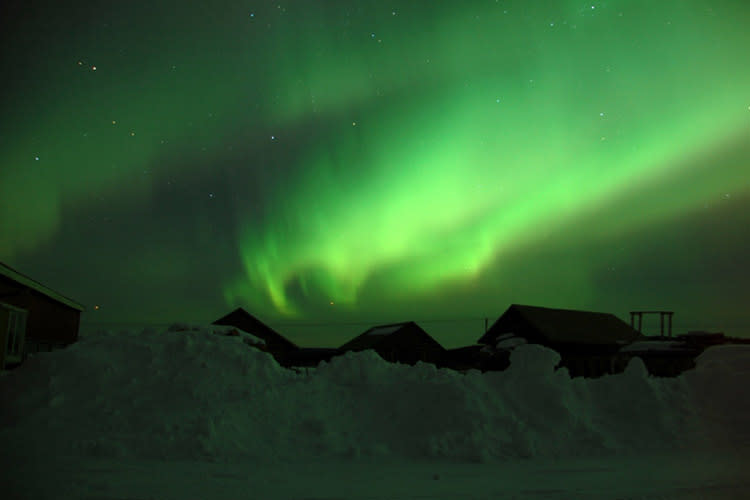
(330, 165)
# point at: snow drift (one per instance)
(174, 395)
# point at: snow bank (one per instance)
(720, 384)
(193, 394)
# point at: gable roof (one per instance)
(562, 326)
(249, 323)
(24, 280)
(375, 335)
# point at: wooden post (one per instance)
(661, 324)
(670, 324)
(639, 314)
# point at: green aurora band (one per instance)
(497, 131)
(418, 146)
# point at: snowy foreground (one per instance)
(196, 415)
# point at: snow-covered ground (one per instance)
(192, 414)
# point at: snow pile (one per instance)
(509, 341)
(192, 394)
(230, 331)
(720, 383)
(653, 345)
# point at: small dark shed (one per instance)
(33, 317)
(588, 342)
(275, 342)
(398, 342)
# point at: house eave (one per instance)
(32, 284)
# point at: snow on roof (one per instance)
(701, 333)
(240, 318)
(22, 279)
(653, 345)
(384, 330)
(371, 337)
(510, 342)
(232, 330)
(194, 395)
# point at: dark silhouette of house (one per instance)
(33, 317)
(275, 342)
(398, 342)
(588, 342)
(286, 352)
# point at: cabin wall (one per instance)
(4, 318)
(588, 366)
(49, 324)
(11, 292)
(590, 360)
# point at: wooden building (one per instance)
(275, 342)
(33, 318)
(285, 352)
(588, 342)
(399, 342)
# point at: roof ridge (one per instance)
(23, 279)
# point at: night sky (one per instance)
(364, 162)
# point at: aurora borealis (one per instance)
(354, 161)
